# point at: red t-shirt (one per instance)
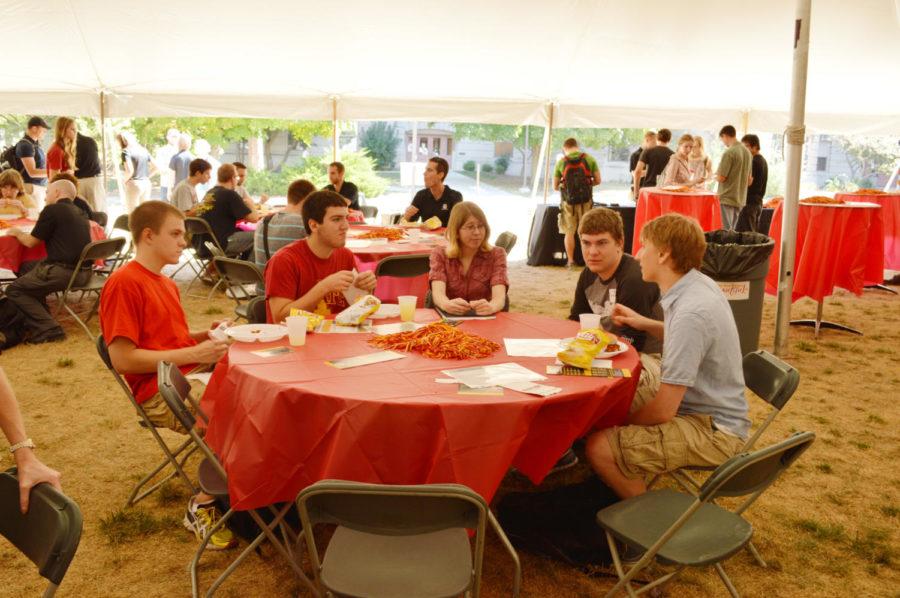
(294, 270)
(145, 308)
(56, 158)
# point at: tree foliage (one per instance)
(869, 157)
(360, 170)
(380, 139)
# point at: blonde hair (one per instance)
(68, 145)
(699, 147)
(681, 236)
(458, 217)
(11, 178)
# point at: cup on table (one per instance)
(297, 330)
(414, 234)
(589, 321)
(407, 307)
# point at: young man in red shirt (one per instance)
(143, 323)
(313, 273)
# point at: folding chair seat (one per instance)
(399, 540)
(237, 274)
(184, 450)
(96, 251)
(507, 241)
(48, 534)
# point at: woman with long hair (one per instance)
(61, 156)
(469, 275)
(699, 163)
(677, 171)
(13, 199)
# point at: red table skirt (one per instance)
(837, 246)
(13, 254)
(702, 206)
(282, 423)
(890, 215)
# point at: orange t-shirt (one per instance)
(145, 308)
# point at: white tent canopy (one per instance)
(600, 63)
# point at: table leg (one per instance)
(880, 287)
(819, 323)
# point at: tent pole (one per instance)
(745, 122)
(334, 131)
(545, 143)
(103, 138)
(795, 133)
(547, 155)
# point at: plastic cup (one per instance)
(407, 307)
(413, 234)
(589, 321)
(297, 330)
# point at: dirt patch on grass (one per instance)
(829, 528)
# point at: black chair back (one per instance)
(369, 211)
(256, 310)
(174, 388)
(121, 223)
(773, 380)
(507, 241)
(404, 266)
(239, 272)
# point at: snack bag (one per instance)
(357, 313)
(312, 319)
(582, 349)
(433, 223)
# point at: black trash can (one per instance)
(739, 262)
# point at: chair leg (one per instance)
(51, 590)
(624, 579)
(727, 581)
(170, 460)
(756, 555)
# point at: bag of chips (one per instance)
(312, 320)
(581, 350)
(357, 313)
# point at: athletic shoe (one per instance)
(200, 518)
(567, 461)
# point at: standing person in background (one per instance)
(649, 141)
(733, 176)
(202, 149)
(748, 219)
(678, 171)
(653, 161)
(32, 160)
(137, 170)
(180, 162)
(699, 163)
(241, 170)
(345, 188)
(62, 155)
(88, 172)
(575, 176)
(162, 159)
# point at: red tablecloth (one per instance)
(890, 216)
(652, 202)
(837, 246)
(283, 423)
(13, 254)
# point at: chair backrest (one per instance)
(101, 250)
(238, 272)
(122, 223)
(103, 351)
(753, 472)
(195, 226)
(507, 241)
(175, 388)
(256, 310)
(404, 266)
(213, 249)
(101, 218)
(49, 533)
(773, 380)
(369, 211)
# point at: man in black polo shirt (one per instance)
(748, 219)
(436, 199)
(65, 231)
(222, 208)
(87, 170)
(346, 189)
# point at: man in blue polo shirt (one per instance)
(32, 160)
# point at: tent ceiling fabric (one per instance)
(602, 62)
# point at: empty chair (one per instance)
(507, 241)
(369, 211)
(101, 218)
(236, 276)
(48, 534)
(199, 255)
(256, 310)
(404, 266)
(107, 249)
(772, 380)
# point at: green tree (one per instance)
(381, 140)
(869, 157)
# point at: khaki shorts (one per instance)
(161, 416)
(648, 385)
(570, 215)
(642, 451)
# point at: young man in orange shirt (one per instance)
(143, 323)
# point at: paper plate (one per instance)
(387, 310)
(10, 216)
(264, 333)
(603, 354)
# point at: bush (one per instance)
(360, 170)
(487, 168)
(380, 139)
(469, 166)
(501, 164)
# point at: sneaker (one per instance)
(567, 461)
(200, 518)
(53, 336)
(571, 266)
(629, 554)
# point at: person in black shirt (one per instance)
(222, 208)
(436, 199)
(65, 231)
(649, 141)
(346, 189)
(87, 170)
(653, 161)
(32, 159)
(748, 219)
(79, 201)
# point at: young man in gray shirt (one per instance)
(184, 195)
(699, 414)
(733, 176)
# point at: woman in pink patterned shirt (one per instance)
(469, 275)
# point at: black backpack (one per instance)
(577, 181)
(12, 324)
(9, 160)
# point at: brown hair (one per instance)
(459, 215)
(681, 236)
(727, 131)
(316, 206)
(299, 190)
(441, 166)
(65, 176)
(570, 142)
(67, 145)
(602, 220)
(240, 165)
(198, 166)
(664, 135)
(226, 173)
(150, 214)
(11, 178)
(685, 138)
(338, 165)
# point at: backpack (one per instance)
(9, 160)
(577, 179)
(12, 324)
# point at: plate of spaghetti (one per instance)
(438, 340)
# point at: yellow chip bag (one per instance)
(433, 223)
(581, 350)
(357, 313)
(312, 320)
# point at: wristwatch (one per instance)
(27, 443)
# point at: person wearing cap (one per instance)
(32, 159)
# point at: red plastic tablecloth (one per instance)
(652, 202)
(890, 216)
(837, 246)
(283, 423)
(13, 254)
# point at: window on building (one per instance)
(821, 163)
(436, 145)
(449, 146)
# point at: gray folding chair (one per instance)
(772, 380)
(48, 534)
(683, 530)
(399, 540)
(175, 390)
(185, 449)
(256, 310)
(236, 275)
(507, 241)
(369, 211)
(404, 266)
(92, 252)
(199, 233)
(122, 223)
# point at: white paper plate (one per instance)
(10, 216)
(264, 333)
(387, 310)
(603, 354)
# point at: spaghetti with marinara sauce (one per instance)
(438, 341)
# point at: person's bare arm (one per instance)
(281, 306)
(661, 408)
(596, 177)
(556, 181)
(252, 216)
(24, 238)
(625, 316)
(456, 307)
(127, 358)
(32, 169)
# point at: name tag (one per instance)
(444, 207)
(735, 291)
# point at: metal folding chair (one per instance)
(399, 540)
(507, 241)
(199, 233)
(236, 275)
(404, 266)
(683, 530)
(48, 534)
(92, 252)
(175, 389)
(256, 310)
(185, 449)
(369, 211)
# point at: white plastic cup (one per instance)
(407, 307)
(413, 234)
(297, 330)
(589, 321)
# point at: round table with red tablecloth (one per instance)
(703, 206)
(890, 216)
(282, 423)
(13, 254)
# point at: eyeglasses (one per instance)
(471, 228)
